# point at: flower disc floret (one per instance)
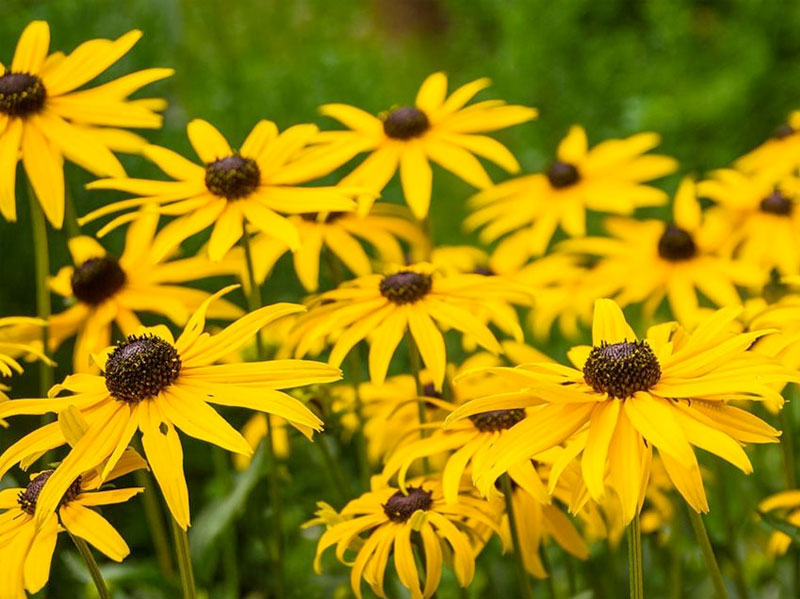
(27, 498)
(622, 369)
(232, 177)
(676, 244)
(141, 367)
(405, 122)
(21, 94)
(97, 279)
(562, 174)
(497, 420)
(405, 287)
(400, 507)
(776, 203)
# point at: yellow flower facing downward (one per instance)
(44, 120)
(626, 396)
(156, 384)
(527, 211)
(256, 184)
(438, 128)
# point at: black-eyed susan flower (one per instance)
(648, 261)
(527, 211)
(255, 184)
(26, 549)
(626, 396)
(780, 154)
(438, 128)
(156, 384)
(413, 298)
(44, 120)
(391, 520)
(101, 290)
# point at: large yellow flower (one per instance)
(392, 519)
(101, 290)
(255, 184)
(383, 307)
(43, 120)
(780, 154)
(156, 384)
(646, 261)
(438, 127)
(606, 178)
(626, 396)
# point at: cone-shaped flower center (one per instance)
(497, 420)
(141, 367)
(783, 131)
(405, 287)
(428, 390)
(27, 499)
(21, 94)
(97, 279)
(622, 369)
(232, 177)
(405, 122)
(562, 174)
(777, 203)
(676, 244)
(400, 507)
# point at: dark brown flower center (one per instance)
(405, 122)
(676, 244)
(783, 131)
(497, 420)
(428, 390)
(328, 218)
(21, 94)
(141, 367)
(232, 177)
(405, 287)
(401, 507)
(27, 499)
(562, 174)
(97, 279)
(622, 369)
(777, 203)
(484, 270)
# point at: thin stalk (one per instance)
(635, 574)
(549, 582)
(708, 553)
(71, 225)
(155, 524)
(184, 560)
(730, 534)
(94, 570)
(41, 255)
(230, 562)
(416, 370)
(571, 575)
(787, 439)
(522, 573)
(254, 300)
(333, 470)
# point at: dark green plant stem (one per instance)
(522, 574)
(571, 574)
(41, 255)
(416, 370)
(549, 583)
(332, 468)
(730, 534)
(230, 561)
(91, 565)
(635, 574)
(184, 558)
(155, 524)
(71, 226)
(708, 553)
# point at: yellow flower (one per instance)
(154, 383)
(788, 502)
(102, 290)
(255, 184)
(26, 549)
(384, 306)
(626, 396)
(607, 178)
(43, 120)
(644, 261)
(780, 154)
(438, 127)
(460, 259)
(391, 519)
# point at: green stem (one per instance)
(416, 369)
(708, 553)
(549, 583)
(94, 571)
(522, 574)
(571, 575)
(635, 574)
(730, 534)
(787, 439)
(255, 302)
(155, 524)
(71, 225)
(41, 256)
(230, 562)
(184, 560)
(333, 470)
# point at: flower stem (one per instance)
(333, 470)
(155, 524)
(71, 225)
(787, 439)
(522, 574)
(41, 254)
(708, 553)
(94, 571)
(184, 561)
(635, 574)
(416, 370)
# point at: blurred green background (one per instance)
(714, 77)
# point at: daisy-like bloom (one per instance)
(384, 306)
(763, 217)
(43, 120)
(102, 290)
(438, 128)
(342, 233)
(26, 550)
(255, 184)
(626, 396)
(780, 154)
(155, 384)
(607, 178)
(391, 519)
(646, 261)
(787, 504)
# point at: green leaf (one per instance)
(782, 526)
